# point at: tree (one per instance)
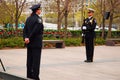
(60, 14)
(67, 7)
(19, 4)
(99, 7)
(61, 8)
(113, 6)
(103, 6)
(55, 6)
(6, 15)
(103, 18)
(15, 10)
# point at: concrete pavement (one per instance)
(67, 63)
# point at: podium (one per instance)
(2, 64)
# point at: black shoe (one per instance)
(88, 61)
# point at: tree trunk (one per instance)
(103, 29)
(66, 23)
(110, 26)
(82, 12)
(16, 20)
(16, 15)
(103, 12)
(66, 17)
(16, 23)
(61, 14)
(111, 19)
(59, 21)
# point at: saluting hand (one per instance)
(27, 40)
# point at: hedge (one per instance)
(13, 38)
(7, 33)
(17, 42)
(77, 33)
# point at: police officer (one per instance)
(32, 34)
(88, 29)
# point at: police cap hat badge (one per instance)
(35, 7)
(91, 10)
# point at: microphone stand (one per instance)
(2, 65)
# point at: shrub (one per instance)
(99, 41)
(1, 46)
(72, 41)
(7, 33)
(116, 34)
(76, 33)
(12, 42)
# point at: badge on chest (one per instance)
(40, 20)
(88, 21)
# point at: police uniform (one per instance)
(88, 29)
(33, 30)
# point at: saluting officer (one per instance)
(88, 29)
(32, 34)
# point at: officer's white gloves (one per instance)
(83, 34)
(84, 27)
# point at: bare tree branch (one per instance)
(21, 8)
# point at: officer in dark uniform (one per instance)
(32, 34)
(88, 29)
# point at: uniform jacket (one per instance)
(33, 30)
(90, 24)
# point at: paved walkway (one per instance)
(67, 64)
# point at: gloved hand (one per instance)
(84, 27)
(83, 34)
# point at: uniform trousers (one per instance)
(89, 43)
(33, 63)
